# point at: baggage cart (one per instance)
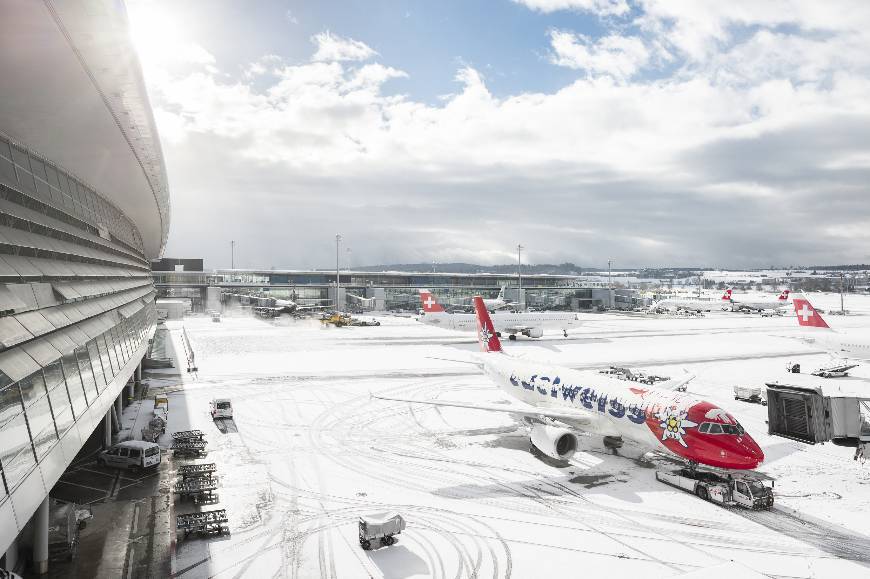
(383, 526)
(185, 448)
(200, 489)
(188, 435)
(202, 470)
(203, 523)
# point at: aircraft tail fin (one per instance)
(489, 341)
(726, 296)
(807, 315)
(430, 304)
(783, 297)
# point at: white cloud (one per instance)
(760, 128)
(600, 7)
(333, 48)
(618, 56)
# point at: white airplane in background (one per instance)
(530, 324)
(554, 400)
(841, 344)
(697, 304)
(498, 302)
(756, 305)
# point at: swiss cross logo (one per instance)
(429, 302)
(806, 313)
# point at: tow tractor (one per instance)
(744, 490)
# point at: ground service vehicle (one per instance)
(729, 490)
(132, 454)
(383, 526)
(757, 394)
(221, 408)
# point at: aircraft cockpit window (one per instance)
(704, 428)
(715, 428)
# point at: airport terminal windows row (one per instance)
(37, 410)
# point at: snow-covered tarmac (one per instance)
(309, 451)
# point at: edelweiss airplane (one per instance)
(756, 305)
(554, 400)
(854, 347)
(530, 324)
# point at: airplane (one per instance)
(756, 305)
(498, 302)
(288, 307)
(529, 324)
(689, 304)
(842, 344)
(555, 400)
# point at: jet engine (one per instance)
(555, 442)
(534, 332)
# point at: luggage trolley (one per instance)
(383, 526)
(188, 435)
(204, 470)
(188, 448)
(200, 489)
(206, 522)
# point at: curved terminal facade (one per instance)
(84, 207)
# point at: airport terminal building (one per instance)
(390, 290)
(85, 207)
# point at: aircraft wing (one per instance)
(676, 383)
(573, 415)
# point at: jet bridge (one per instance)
(806, 414)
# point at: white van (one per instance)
(132, 454)
(221, 408)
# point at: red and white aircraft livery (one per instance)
(841, 344)
(555, 399)
(530, 324)
(757, 304)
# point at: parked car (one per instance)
(132, 454)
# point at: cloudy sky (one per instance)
(650, 132)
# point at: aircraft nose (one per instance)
(751, 451)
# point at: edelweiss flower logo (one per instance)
(673, 425)
(485, 335)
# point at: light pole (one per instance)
(337, 280)
(520, 275)
(609, 287)
(232, 254)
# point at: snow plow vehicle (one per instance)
(740, 490)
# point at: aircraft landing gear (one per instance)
(512, 337)
(565, 333)
(613, 443)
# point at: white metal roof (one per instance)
(73, 92)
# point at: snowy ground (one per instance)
(309, 451)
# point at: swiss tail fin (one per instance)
(485, 331)
(727, 295)
(807, 314)
(430, 304)
(783, 297)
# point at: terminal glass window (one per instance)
(80, 359)
(41, 426)
(94, 354)
(110, 350)
(60, 402)
(16, 454)
(104, 358)
(74, 385)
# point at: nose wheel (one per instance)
(565, 333)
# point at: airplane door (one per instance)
(741, 494)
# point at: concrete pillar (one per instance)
(107, 429)
(40, 539)
(131, 389)
(12, 556)
(138, 374)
